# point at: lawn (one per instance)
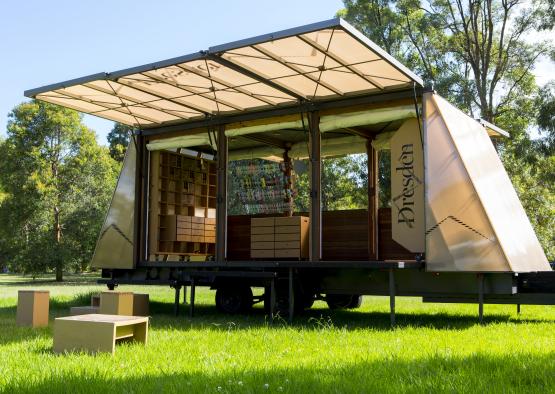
(434, 348)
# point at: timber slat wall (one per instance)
(344, 236)
(389, 249)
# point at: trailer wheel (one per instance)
(343, 301)
(303, 301)
(356, 302)
(233, 300)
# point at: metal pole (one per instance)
(221, 201)
(518, 309)
(176, 300)
(192, 306)
(139, 181)
(272, 299)
(184, 295)
(372, 201)
(481, 297)
(288, 185)
(145, 182)
(315, 187)
(392, 296)
(291, 296)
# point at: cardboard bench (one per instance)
(97, 333)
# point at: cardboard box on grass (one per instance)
(32, 308)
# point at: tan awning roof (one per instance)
(321, 61)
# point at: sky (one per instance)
(43, 42)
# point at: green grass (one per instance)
(435, 348)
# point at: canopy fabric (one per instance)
(327, 123)
(185, 141)
(321, 61)
(374, 116)
(299, 151)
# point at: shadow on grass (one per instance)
(208, 317)
(58, 308)
(474, 373)
(317, 318)
(69, 280)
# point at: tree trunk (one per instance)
(57, 237)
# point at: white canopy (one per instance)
(321, 61)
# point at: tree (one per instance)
(118, 138)
(58, 182)
(344, 184)
(546, 118)
(476, 54)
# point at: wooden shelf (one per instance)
(180, 185)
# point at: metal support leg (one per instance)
(392, 296)
(481, 297)
(192, 299)
(518, 309)
(184, 295)
(291, 296)
(272, 299)
(176, 303)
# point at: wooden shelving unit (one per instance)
(180, 186)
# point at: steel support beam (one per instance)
(392, 296)
(291, 296)
(272, 299)
(481, 297)
(144, 178)
(192, 299)
(372, 201)
(221, 201)
(315, 143)
(139, 184)
(176, 300)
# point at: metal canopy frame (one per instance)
(185, 89)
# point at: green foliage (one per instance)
(118, 138)
(344, 184)
(435, 348)
(58, 182)
(477, 55)
(546, 118)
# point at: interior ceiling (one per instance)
(321, 61)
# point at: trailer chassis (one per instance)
(284, 280)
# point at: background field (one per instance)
(435, 348)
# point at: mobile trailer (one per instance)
(455, 231)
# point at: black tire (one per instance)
(234, 300)
(343, 301)
(307, 301)
(356, 302)
(303, 301)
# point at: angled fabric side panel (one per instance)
(495, 190)
(459, 236)
(114, 248)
